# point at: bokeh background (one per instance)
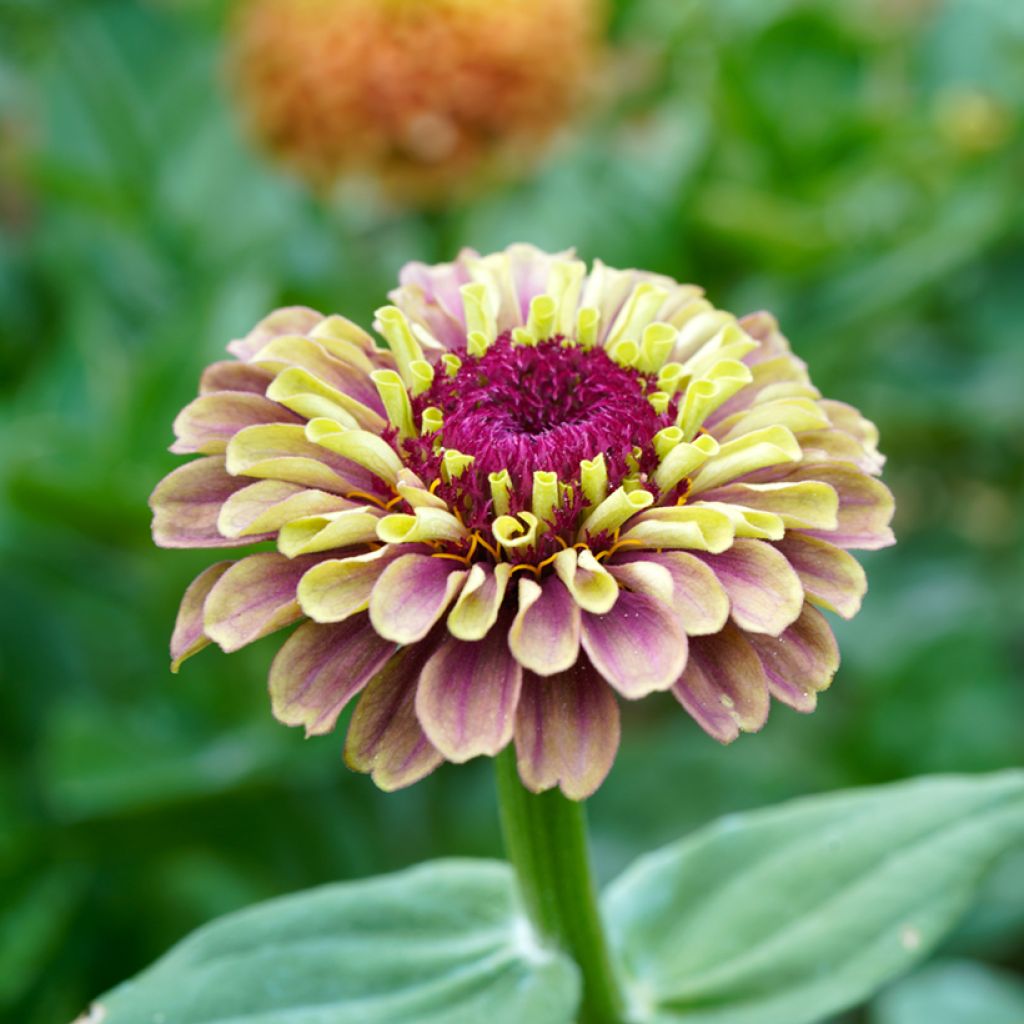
(856, 167)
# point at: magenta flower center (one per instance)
(549, 406)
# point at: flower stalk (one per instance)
(546, 842)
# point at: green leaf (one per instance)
(444, 943)
(787, 915)
(956, 992)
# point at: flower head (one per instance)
(554, 488)
(427, 96)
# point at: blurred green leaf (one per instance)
(787, 915)
(958, 992)
(32, 925)
(444, 943)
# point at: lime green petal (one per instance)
(682, 460)
(368, 450)
(747, 522)
(616, 510)
(282, 452)
(756, 450)
(294, 350)
(425, 525)
(731, 343)
(412, 489)
(476, 610)
(396, 401)
(707, 393)
(330, 530)
(808, 504)
(682, 527)
(592, 587)
(392, 323)
(797, 414)
(480, 306)
(340, 588)
(266, 506)
(640, 310)
(513, 532)
(309, 396)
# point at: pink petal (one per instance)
(724, 686)
(188, 637)
(545, 634)
(210, 421)
(698, 599)
(866, 505)
(231, 375)
(801, 662)
(765, 593)
(567, 731)
(412, 594)
(639, 646)
(831, 577)
(467, 696)
(321, 668)
(186, 504)
(290, 320)
(385, 737)
(255, 597)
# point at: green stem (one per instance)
(546, 841)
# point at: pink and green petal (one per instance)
(866, 505)
(801, 662)
(282, 452)
(254, 598)
(467, 697)
(724, 687)
(567, 731)
(765, 593)
(699, 600)
(321, 668)
(207, 423)
(545, 635)
(187, 502)
(339, 588)
(808, 504)
(412, 594)
(831, 577)
(188, 637)
(349, 376)
(230, 375)
(836, 446)
(290, 320)
(639, 647)
(385, 738)
(269, 505)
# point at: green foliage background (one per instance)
(856, 167)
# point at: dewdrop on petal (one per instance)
(556, 488)
(429, 98)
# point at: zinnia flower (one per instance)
(427, 96)
(553, 489)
